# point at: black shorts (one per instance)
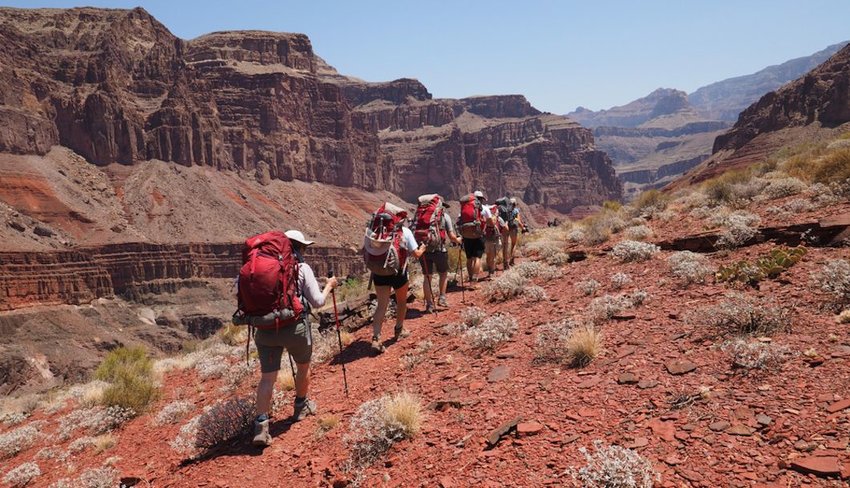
(395, 281)
(474, 248)
(437, 261)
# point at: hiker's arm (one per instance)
(419, 251)
(310, 287)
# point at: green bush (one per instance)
(129, 371)
(650, 201)
(721, 188)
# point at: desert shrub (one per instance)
(15, 441)
(741, 227)
(619, 280)
(211, 366)
(833, 167)
(233, 335)
(606, 307)
(13, 418)
(631, 251)
(650, 202)
(535, 293)
(783, 187)
(80, 444)
(509, 285)
(186, 440)
(834, 278)
(743, 315)
(91, 478)
(378, 424)
(637, 232)
(749, 355)
(769, 266)
(94, 420)
(575, 235)
(352, 287)
(104, 442)
(599, 227)
(536, 269)
(173, 412)
(721, 189)
(637, 298)
(615, 467)
(22, 475)
(224, 421)
(689, 267)
(129, 372)
(588, 286)
(612, 205)
(473, 316)
(491, 332)
(558, 259)
(583, 344)
(843, 317)
(543, 248)
(550, 345)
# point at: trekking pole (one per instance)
(339, 337)
(291, 366)
(460, 269)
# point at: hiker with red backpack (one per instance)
(432, 226)
(276, 289)
(386, 248)
(494, 227)
(474, 214)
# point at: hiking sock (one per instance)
(300, 400)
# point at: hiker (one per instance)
(473, 215)
(511, 236)
(386, 248)
(432, 226)
(494, 227)
(296, 339)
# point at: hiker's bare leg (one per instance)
(505, 251)
(444, 282)
(491, 259)
(302, 379)
(383, 293)
(470, 268)
(426, 289)
(401, 305)
(514, 239)
(265, 390)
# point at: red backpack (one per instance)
(428, 226)
(471, 224)
(383, 252)
(267, 288)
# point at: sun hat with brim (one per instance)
(479, 194)
(297, 236)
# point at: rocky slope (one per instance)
(811, 108)
(116, 87)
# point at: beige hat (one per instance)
(479, 194)
(513, 200)
(297, 236)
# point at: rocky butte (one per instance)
(115, 86)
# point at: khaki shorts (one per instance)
(296, 339)
(493, 246)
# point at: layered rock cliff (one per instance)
(116, 86)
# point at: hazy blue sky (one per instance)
(560, 54)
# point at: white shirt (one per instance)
(485, 211)
(308, 287)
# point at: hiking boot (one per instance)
(400, 332)
(262, 438)
(429, 308)
(443, 301)
(377, 345)
(303, 409)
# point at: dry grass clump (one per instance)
(599, 227)
(566, 342)
(378, 424)
(509, 285)
(285, 381)
(224, 421)
(233, 335)
(588, 286)
(638, 232)
(615, 467)
(834, 279)
(606, 307)
(650, 202)
(129, 371)
(743, 315)
(15, 441)
(491, 332)
(22, 475)
(326, 424)
(634, 251)
(106, 477)
(843, 317)
(583, 345)
(750, 355)
(832, 167)
(689, 267)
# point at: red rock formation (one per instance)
(45, 278)
(116, 86)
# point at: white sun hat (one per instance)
(297, 236)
